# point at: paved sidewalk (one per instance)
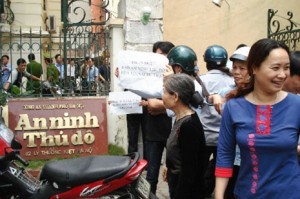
(162, 191)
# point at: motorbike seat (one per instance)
(78, 171)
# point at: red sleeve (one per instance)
(223, 172)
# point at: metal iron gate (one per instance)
(284, 29)
(81, 35)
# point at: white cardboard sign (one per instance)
(142, 72)
(122, 103)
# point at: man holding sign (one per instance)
(142, 73)
(157, 126)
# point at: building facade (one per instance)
(200, 24)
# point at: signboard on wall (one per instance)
(67, 127)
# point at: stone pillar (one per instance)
(139, 36)
(129, 33)
(117, 125)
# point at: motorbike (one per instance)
(102, 177)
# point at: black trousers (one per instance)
(209, 175)
(134, 122)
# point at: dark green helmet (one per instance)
(183, 56)
(215, 55)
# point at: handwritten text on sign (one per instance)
(122, 103)
(141, 71)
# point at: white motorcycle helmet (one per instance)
(240, 54)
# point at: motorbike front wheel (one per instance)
(123, 193)
(126, 193)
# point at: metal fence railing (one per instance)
(82, 42)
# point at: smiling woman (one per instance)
(258, 118)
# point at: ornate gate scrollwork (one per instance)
(283, 29)
(84, 32)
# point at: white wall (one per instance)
(127, 32)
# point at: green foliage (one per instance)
(115, 150)
(16, 92)
(3, 97)
(36, 164)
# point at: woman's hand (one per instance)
(168, 71)
(144, 103)
(154, 106)
(164, 173)
(217, 101)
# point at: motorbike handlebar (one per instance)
(11, 154)
(22, 160)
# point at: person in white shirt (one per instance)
(60, 67)
(92, 77)
(17, 74)
(6, 69)
(71, 69)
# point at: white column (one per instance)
(117, 125)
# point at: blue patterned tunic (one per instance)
(268, 137)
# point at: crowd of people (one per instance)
(77, 79)
(234, 133)
(227, 133)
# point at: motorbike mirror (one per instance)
(16, 145)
